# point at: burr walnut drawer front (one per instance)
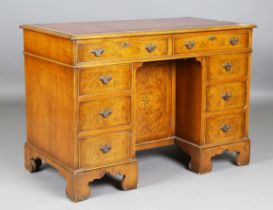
(209, 41)
(105, 149)
(124, 49)
(99, 114)
(225, 128)
(223, 67)
(105, 79)
(226, 96)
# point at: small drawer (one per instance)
(209, 41)
(153, 47)
(105, 79)
(105, 149)
(225, 128)
(124, 49)
(226, 96)
(106, 113)
(223, 67)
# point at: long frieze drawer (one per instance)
(105, 149)
(209, 41)
(105, 78)
(225, 128)
(226, 96)
(105, 113)
(124, 49)
(223, 67)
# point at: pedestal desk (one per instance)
(98, 92)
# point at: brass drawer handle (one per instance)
(98, 52)
(150, 47)
(228, 66)
(190, 44)
(106, 148)
(226, 96)
(212, 38)
(105, 79)
(226, 128)
(106, 113)
(234, 40)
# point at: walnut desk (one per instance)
(97, 92)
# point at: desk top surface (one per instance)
(126, 27)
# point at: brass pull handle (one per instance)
(228, 66)
(226, 96)
(98, 52)
(106, 113)
(105, 79)
(106, 148)
(226, 128)
(150, 48)
(190, 44)
(212, 38)
(234, 40)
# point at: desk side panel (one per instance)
(50, 109)
(189, 100)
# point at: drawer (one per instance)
(226, 96)
(225, 128)
(106, 113)
(223, 67)
(124, 49)
(105, 79)
(105, 149)
(210, 41)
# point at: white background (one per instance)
(164, 183)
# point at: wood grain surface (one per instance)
(97, 92)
